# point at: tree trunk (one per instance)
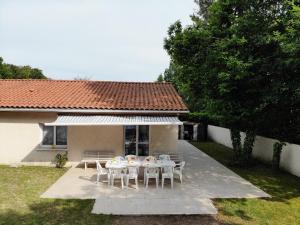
(277, 149)
(242, 154)
(236, 143)
(248, 146)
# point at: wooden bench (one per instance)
(93, 156)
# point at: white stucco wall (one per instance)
(263, 149)
(220, 135)
(82, 138)
(163, 138)
(21, 135)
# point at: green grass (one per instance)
(20, 203)
(282, 209)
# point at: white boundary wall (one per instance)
(263, 148)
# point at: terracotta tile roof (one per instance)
(67, 94)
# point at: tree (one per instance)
(171, 73)
(203, 7)
(9, 71)
(282, 111)
(230, 61)
(160, 78)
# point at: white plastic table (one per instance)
(159, 163)
(138, 163)
(116, 165)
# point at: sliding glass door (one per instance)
(130, 140)
(143, 140)
(136, 140)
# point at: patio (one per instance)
(204, 179)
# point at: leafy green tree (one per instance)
(282, 111)
(203, 7)
(9, 71)
(171, 73)
(160, 78)
(233, 60)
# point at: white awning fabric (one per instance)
(96, 120)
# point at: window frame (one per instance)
(137, 142)
(54, 138)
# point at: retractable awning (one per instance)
(90, 120)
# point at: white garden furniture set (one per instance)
(128, 168)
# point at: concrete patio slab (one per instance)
(181, 206)
(204, 179)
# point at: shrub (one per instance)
(61, 160)
(195, 117)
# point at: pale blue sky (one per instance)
(100, 39)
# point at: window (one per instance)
(48, 135)
(61, 135)
(54, 135)
(137, 140)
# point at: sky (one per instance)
(96, 39)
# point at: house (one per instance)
(40, 118)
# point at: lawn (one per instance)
(20, 203)
(20, 189)
(282, 209)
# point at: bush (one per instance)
(201, 117)
(195, 117)
(61, 160)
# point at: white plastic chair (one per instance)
(150, 159)
(164, 157)
(167, 173)
(132, 175)
(178, 170)
(118, 158)
(102, 171)
(130, 157)
(117, 173)
(151, 173)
